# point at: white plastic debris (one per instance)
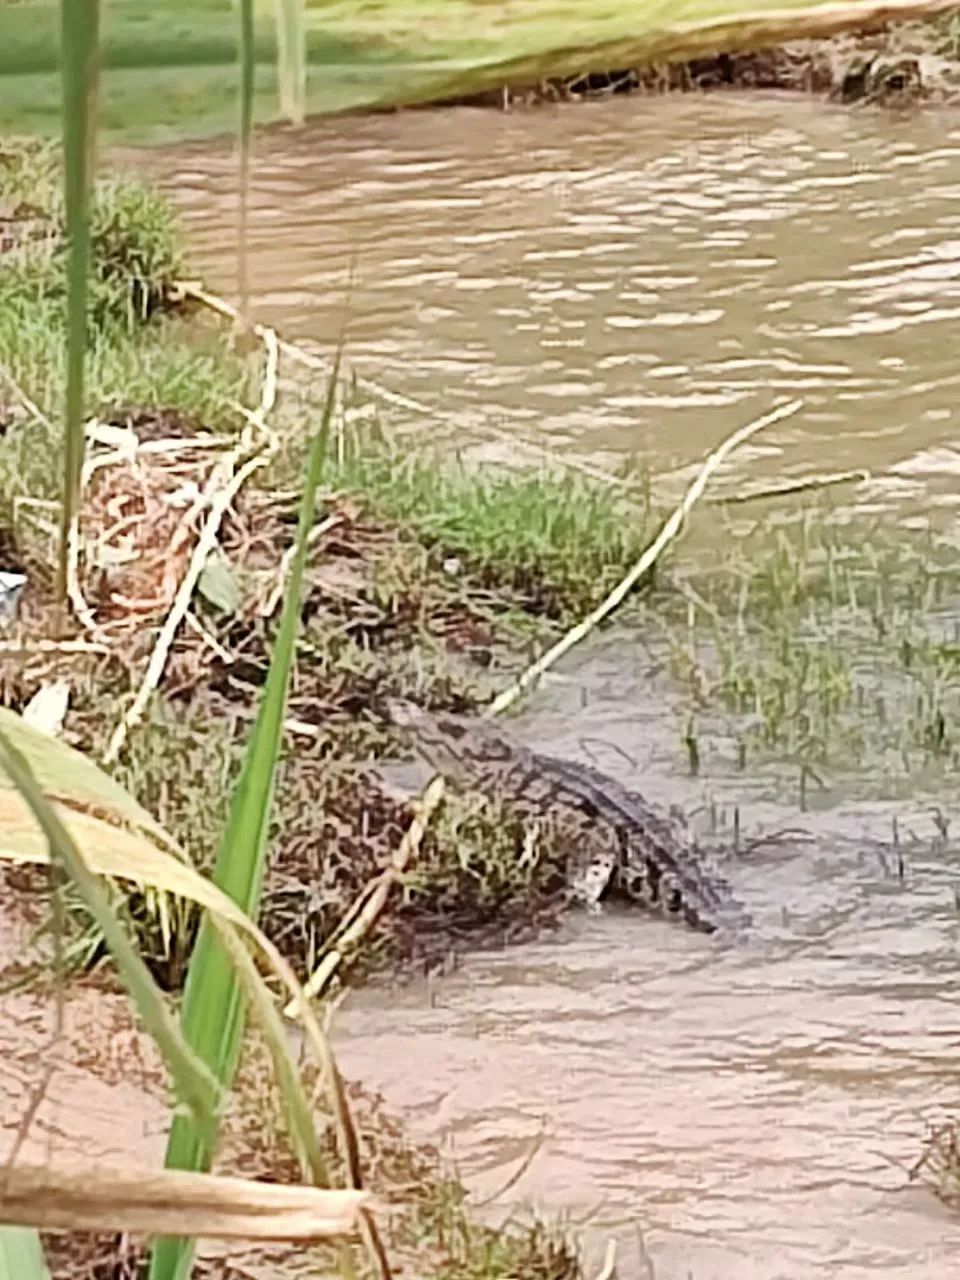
(47, 709)
(11, 585)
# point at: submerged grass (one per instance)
(824, 645)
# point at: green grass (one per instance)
(171, 67)
(826, 646)
(553, 542)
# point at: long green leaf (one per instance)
(21, 1255)
(192, 1079)
(213, 1009)
(80, 24)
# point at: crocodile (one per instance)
(614, 841)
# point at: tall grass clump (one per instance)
(823, 644)
(558, 542)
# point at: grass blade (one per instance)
(193, 1080)
(292, 59)
(21, 1255)
(247, 86)
(213, 1011)
(80, 28)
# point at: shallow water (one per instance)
(642, 277)
(745, 1109)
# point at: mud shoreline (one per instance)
(892, 66)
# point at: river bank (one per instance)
(431, 581)
(891, 65)
(170, 74)
(435, 582)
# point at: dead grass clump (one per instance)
(139, 521)
(939, 1163)
(479, 878)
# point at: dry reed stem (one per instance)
(368, 904)
(174, 1203)
(221, 489)
(857, 476)
(669, 531)
(82, 611)
(299, 355)
(609, 1268)
(268, 608)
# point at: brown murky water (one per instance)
(642, 277)
(632, 276)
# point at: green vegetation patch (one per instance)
(556, 543)
(821, 643)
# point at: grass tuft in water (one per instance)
(819, 644)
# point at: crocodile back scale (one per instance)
(613, 840)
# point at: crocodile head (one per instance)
(452, 745)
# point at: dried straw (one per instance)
(173, 1202)
(669, 531)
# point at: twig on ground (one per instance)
(30, 405)
(857, 476)
(669, 531)
(268, 608)
(256, 445)
(211, 641)
(368, 904)
(27, 645)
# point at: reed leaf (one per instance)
(21, 1254)
(213, 1008)
(80, 27)
(130, 1200)
(66, 774)
(292, 59)
(193, 1080)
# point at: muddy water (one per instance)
(720, 1110)
(631, 276)
(639, 277)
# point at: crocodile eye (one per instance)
(637, 885)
